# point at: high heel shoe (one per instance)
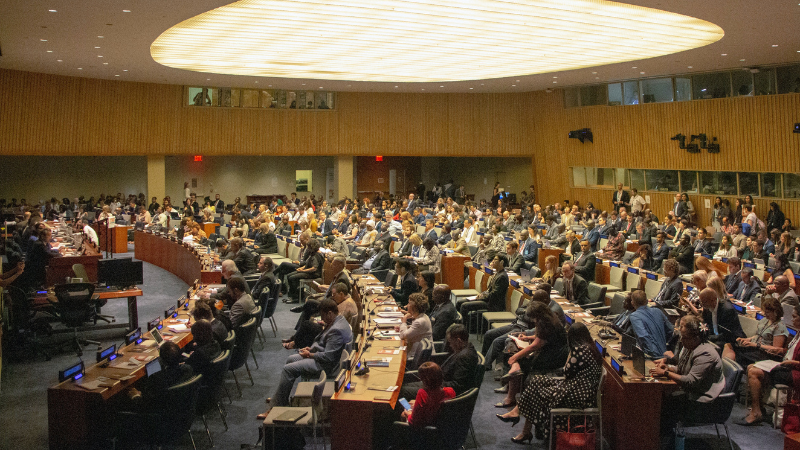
(510, 376)
(514, 420)
(523, 440)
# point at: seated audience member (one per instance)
(545, 350)
(683, 253)
(266, 282)
(202, 311)
(615, 247)
(340, 293)
(575, 289)
(748, 286)
(515, 260)
(660, 249)
(551, 272)
(585, 262)
(592, 234)
(431, 258)
(577, 389)
(734, 276)
(494, 297)
(770, 338)
(671, 288)
(322, 356)
(310, 270)
(650, 326)
(38, 258)
(342, 275)
(337, 245)
(266, 241)
(420, 327)
(426, 281)
(786, 373)
(380, 260)
(781, 267)
(242, 257)
(699, 280)
(721, 319)
(457, 243)
(229, 272)
(702, 244)
(151, 391)
(204, 348)
(726, 248)
(697, 369)
(495, 339)
(529, 246)
(782, 291)
(703, 263)
(622, 322)
(243, 303)
(408, 282)
(425, 407)
(458, 370)
(444, 312)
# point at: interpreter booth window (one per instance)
(302, 181)
(711, 85)
(637, 179)
(249, 98)
(324, 100)
(791, 185)
(662, 180)
(599, 177)
(719, 183)
(621, 176)
(268, 99)
(572, 98)
(229, 97)
(201, 96)
(742, 83)
(657, 90)
(579, 176)
(748, 184)
(683, 89)
(788, 79)
(291, 99)
(614, 94)
(302, 102)
(764, 82)
(688, 181)
(630, 92)
(771, 185)
(594, 95)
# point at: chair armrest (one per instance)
(601, 311)
(593, 305)
(439, 358)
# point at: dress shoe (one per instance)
(525, 439)
(505, 405)
(514, 420)
(510, 376)
(502, 390)
(286, 341)
(297, 309)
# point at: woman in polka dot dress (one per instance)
(578, 388)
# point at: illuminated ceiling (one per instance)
(423, 41)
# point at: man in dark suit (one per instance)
(748, 287)
(219, 205)
(721, 318)
(458, 370)
(241, 256)
(515, 260)
(684, 254)
(325, 227)
(734, 276)
(430, 232)
(621, 198)
(702, 244)
(266, 242)
(661, 249)
(679, 207)
(461, 195)
(672, 286)
(529, 248)
(575, 289)
(267, 279)
(444, 312)
(494, 297)
(382, 260)
(585, 262)
(412, 203)
(592, 234)
(229, 271)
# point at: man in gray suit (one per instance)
(576, 289)
(244, 305)
(585, 262)
(323, 355)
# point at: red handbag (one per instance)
(578, 438)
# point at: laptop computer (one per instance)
(157, 337)
(627, 344)
(525, 274)
(153, 367)
(637, 356)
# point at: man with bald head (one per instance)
(229, 271)
(722, 320)
(650, 326)
(782, 291)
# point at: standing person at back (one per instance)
(621, 198)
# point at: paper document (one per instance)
(89, 385)
(767, 365)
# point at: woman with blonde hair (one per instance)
(552, 271)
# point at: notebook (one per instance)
(290, 416)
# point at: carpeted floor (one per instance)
(23, 399)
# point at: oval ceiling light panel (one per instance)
(423, 41)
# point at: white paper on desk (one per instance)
(471, 298)
(380, 321)
(177, 328)
(391, 314)
(388, 333)
(89, 385)
(125, 365)
(767, 365)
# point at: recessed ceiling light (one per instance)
(724, 54)
(221, 40)
(594, 73)
(741, 60)
(126, 10)
(208, 79)
(554, 82)
(116, 75)
(80, 68)
(101, 37)
(96, 47)
(641, 73)
(99, 56)
(596, 78)
(125, 70)
(304, 84)
(690, 67)
(60, 60)
(105, 64)
(269, 85)
(423, 89)
(256, 81)
(513, 85)
(395, 87)
(774, 45)
(470, 88)
(320, 87)
(517, 81)
(634, 67)
(49, 51)
(43, 40)
(52, 10)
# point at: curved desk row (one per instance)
(174, 257)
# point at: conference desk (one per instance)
(131, 295)
(60, 268)
(82, 418)
(186, 263)
(453, 270)
(362, 417)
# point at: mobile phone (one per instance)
(405, 404)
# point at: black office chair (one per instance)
(245, 336)
(75, 307)
(391, 279)
(272, 304)
(164, 425)
(597, 296)
(450, 429)
(211, 390)
(718, 411)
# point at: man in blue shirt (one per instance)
(650, 325)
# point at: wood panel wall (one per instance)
(754, 133)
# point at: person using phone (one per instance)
(429, 399)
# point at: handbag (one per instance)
(577, 438)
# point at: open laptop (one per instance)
(638, 358)
(157, 337)
(525, 274)
(627, 344)
(153, 367)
